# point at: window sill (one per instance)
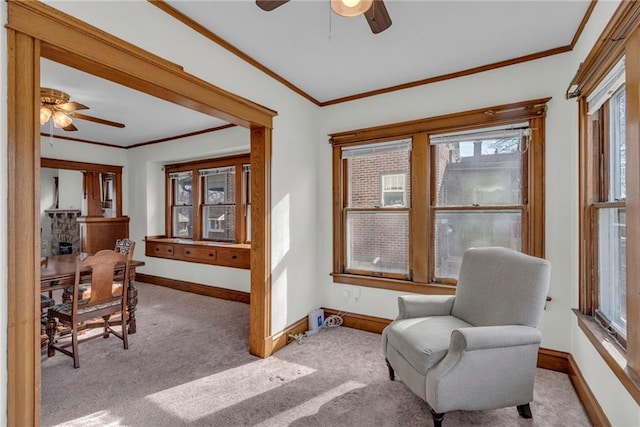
(394, 284)
(613, 354)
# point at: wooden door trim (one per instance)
(35, 30)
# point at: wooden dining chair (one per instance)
(103, 302)
(125, 246)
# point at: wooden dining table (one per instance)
(58, 272)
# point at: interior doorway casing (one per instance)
(35, 30)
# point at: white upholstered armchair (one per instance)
(476, 350)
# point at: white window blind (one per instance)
(217, 171)
(607, 87)
(180, 175)
(379, 148)
(498, 132)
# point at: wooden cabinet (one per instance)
(204, 252)
(98, 233)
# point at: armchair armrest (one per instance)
(485, 337)
(412, 306)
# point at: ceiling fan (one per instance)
(374, 11)
(56, 105)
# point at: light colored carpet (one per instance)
(188, 365)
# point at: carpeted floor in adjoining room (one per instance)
(188, 365)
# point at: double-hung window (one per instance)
(607, 87)
(219, 203)
(607, 203)
(209, 199)
(376, 212)
(410, 198)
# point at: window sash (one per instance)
(382, 249)
(456, 230)
(610, 226)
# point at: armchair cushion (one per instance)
(410, 306)
(423, 342)
(485, 337)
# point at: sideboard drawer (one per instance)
(204, 254)
(156, 249)
(233, 257)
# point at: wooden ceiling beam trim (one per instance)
(74, 45)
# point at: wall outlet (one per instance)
(346, 293)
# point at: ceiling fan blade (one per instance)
(378, 17)
(70, 128)
(71, 106)
(97, 120)
(269, 5)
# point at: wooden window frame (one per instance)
(199, 205)
(621, 37)
(420, 278)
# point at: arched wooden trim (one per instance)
(34, 30)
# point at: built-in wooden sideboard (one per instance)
(205, 252)
(97, 232)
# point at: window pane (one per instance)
(184, 190)
(378, 242)
(393, 190)
(456, 231)
(478, 172)
(612, 267)
(369, 172)
(220, 188)
(618, 155)
(219, 222)
(182, 221)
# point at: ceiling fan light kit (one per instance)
(350, 8)
(374, 11)
(56, 105)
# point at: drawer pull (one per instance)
(210, 254)
(188, 252)
(234, 256)
(157, 249)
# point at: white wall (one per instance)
(47, 201)
(70, 189)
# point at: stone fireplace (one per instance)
(64, 229)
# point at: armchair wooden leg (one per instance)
(437, 418)
(525, 411)
(392, 374)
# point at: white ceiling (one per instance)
(328, 56)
